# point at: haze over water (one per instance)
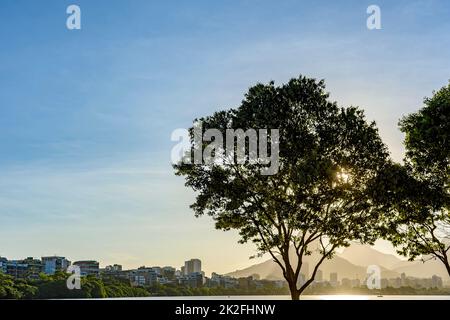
(287, 297)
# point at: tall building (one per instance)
(319, 276)
(356, 283)
(436, 282)
(168, 272)
(334, 279)
(143, 276)
(157, 270)
(193, 280)
(55, 264)
(395, 282)
(34, 267)
(305, 270)
(346, 282)
(246, 282)
(28, 268)
(115, 271)
(16, 268)
(114, 268)
(301, 280)
(3, 262)
(88, 267)
(192, 266)
(403, 280)
(218, 280)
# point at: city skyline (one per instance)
(86, 115)
(190, 274)
(149, 262)
(355, 260)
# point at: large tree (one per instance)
(318, 200)
(420, 218)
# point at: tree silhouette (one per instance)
(419, 194)
(320, 197)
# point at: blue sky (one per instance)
(86, 115)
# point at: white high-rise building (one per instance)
(305, 270)
(319, 276)
(334, 279)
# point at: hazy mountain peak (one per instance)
(352, 263)
(364, 255)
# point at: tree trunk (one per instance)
(289, 275)
(295, 294)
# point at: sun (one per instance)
(343, 176)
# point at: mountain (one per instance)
(352, 263)
(343, 267)
(363, 255)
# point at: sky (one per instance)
(86, 115)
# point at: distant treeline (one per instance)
(54, 287)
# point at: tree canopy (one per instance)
(427, 139)
(320, 197)
(417, 195)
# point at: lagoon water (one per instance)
(280, 297)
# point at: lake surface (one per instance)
(279, 297)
